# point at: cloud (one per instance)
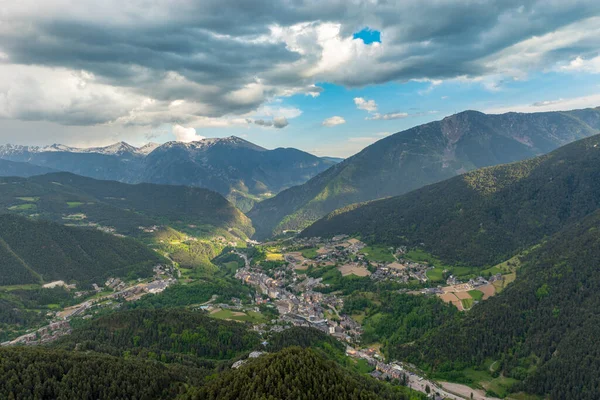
(546, 103)
(591, 65)
(333, 121)
(549, 105)
(277, 122)
(367, 105)
(183, 134)
(388, 116)
(147, 63)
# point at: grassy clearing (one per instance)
(436, 274)
(500, 285)
(22, 207)
(309, 253)
(378, 254)
(29, 286)
(30, 199)
(73, 204)
(500, 385)
(477, 295)
(250, 316)
(363, 366)
(467, 303)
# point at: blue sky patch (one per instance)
(368, 35)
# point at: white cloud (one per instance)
(183, 134)
(364, 104)
(388, 116)
(549, 105)
(591, 65)
(333, 121)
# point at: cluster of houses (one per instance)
(45, 334)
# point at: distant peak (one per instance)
(231, 141)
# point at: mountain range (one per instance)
(420, 156)
(485, 216)
(234, 167)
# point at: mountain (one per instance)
(42, 251)
(541, 330)
(23, 169)
(166, 333)
(420, 156)
(68, 198)
(192, 224)
(485, 216)
(234, 167)
(296, 373)
(39, 373)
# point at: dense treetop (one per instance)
(42, 251)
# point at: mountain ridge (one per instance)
(420, 156)
(236, 168)
(458, 218)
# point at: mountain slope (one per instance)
(41, 251)
(541, 329)
(485, 216)
(68, 198)
(39, 373)
(295, 373)
(14, 168)
(423, 155)
(234, 167)
(175, 335)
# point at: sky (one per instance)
(328, 77)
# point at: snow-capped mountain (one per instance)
(232, 166)
(119, 148)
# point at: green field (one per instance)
(500, 385)
(476, 295)
(249, 316)
(309, 253)
(467, 303)
(378, 254)
(73, 204)
(20, 207)
(30, 199)
(436, 274)
(363, 366)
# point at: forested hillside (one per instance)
(420, 156)
(42, 251)
(485, 216)
(35, 373)
(64, 196)
(172, 336)
(296, 373)
(542, 329)
(191, 224)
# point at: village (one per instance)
(101, 297)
